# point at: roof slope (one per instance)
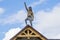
(30, 28)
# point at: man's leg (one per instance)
(26, 21)
(31, 23)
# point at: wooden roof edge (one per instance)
(25, 28)
(37, 32)
(19, 32)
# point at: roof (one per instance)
(28, 26)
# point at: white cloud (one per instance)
(38, 2)
(48, 23)
(18, 17)
(12, 32)
(42, 1)
(2, 10)
(35, 3)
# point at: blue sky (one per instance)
(13, 14)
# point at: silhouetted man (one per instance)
(30, 15)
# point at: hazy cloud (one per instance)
(12, 32)
(2, 10)
(38, 2)
(18, 17)
(48, 22)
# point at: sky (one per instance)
(46, 17)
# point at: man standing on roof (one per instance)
(30, 15)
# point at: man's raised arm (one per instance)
(25, 6)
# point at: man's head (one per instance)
(30, 8)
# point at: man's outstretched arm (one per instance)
(25, 6)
